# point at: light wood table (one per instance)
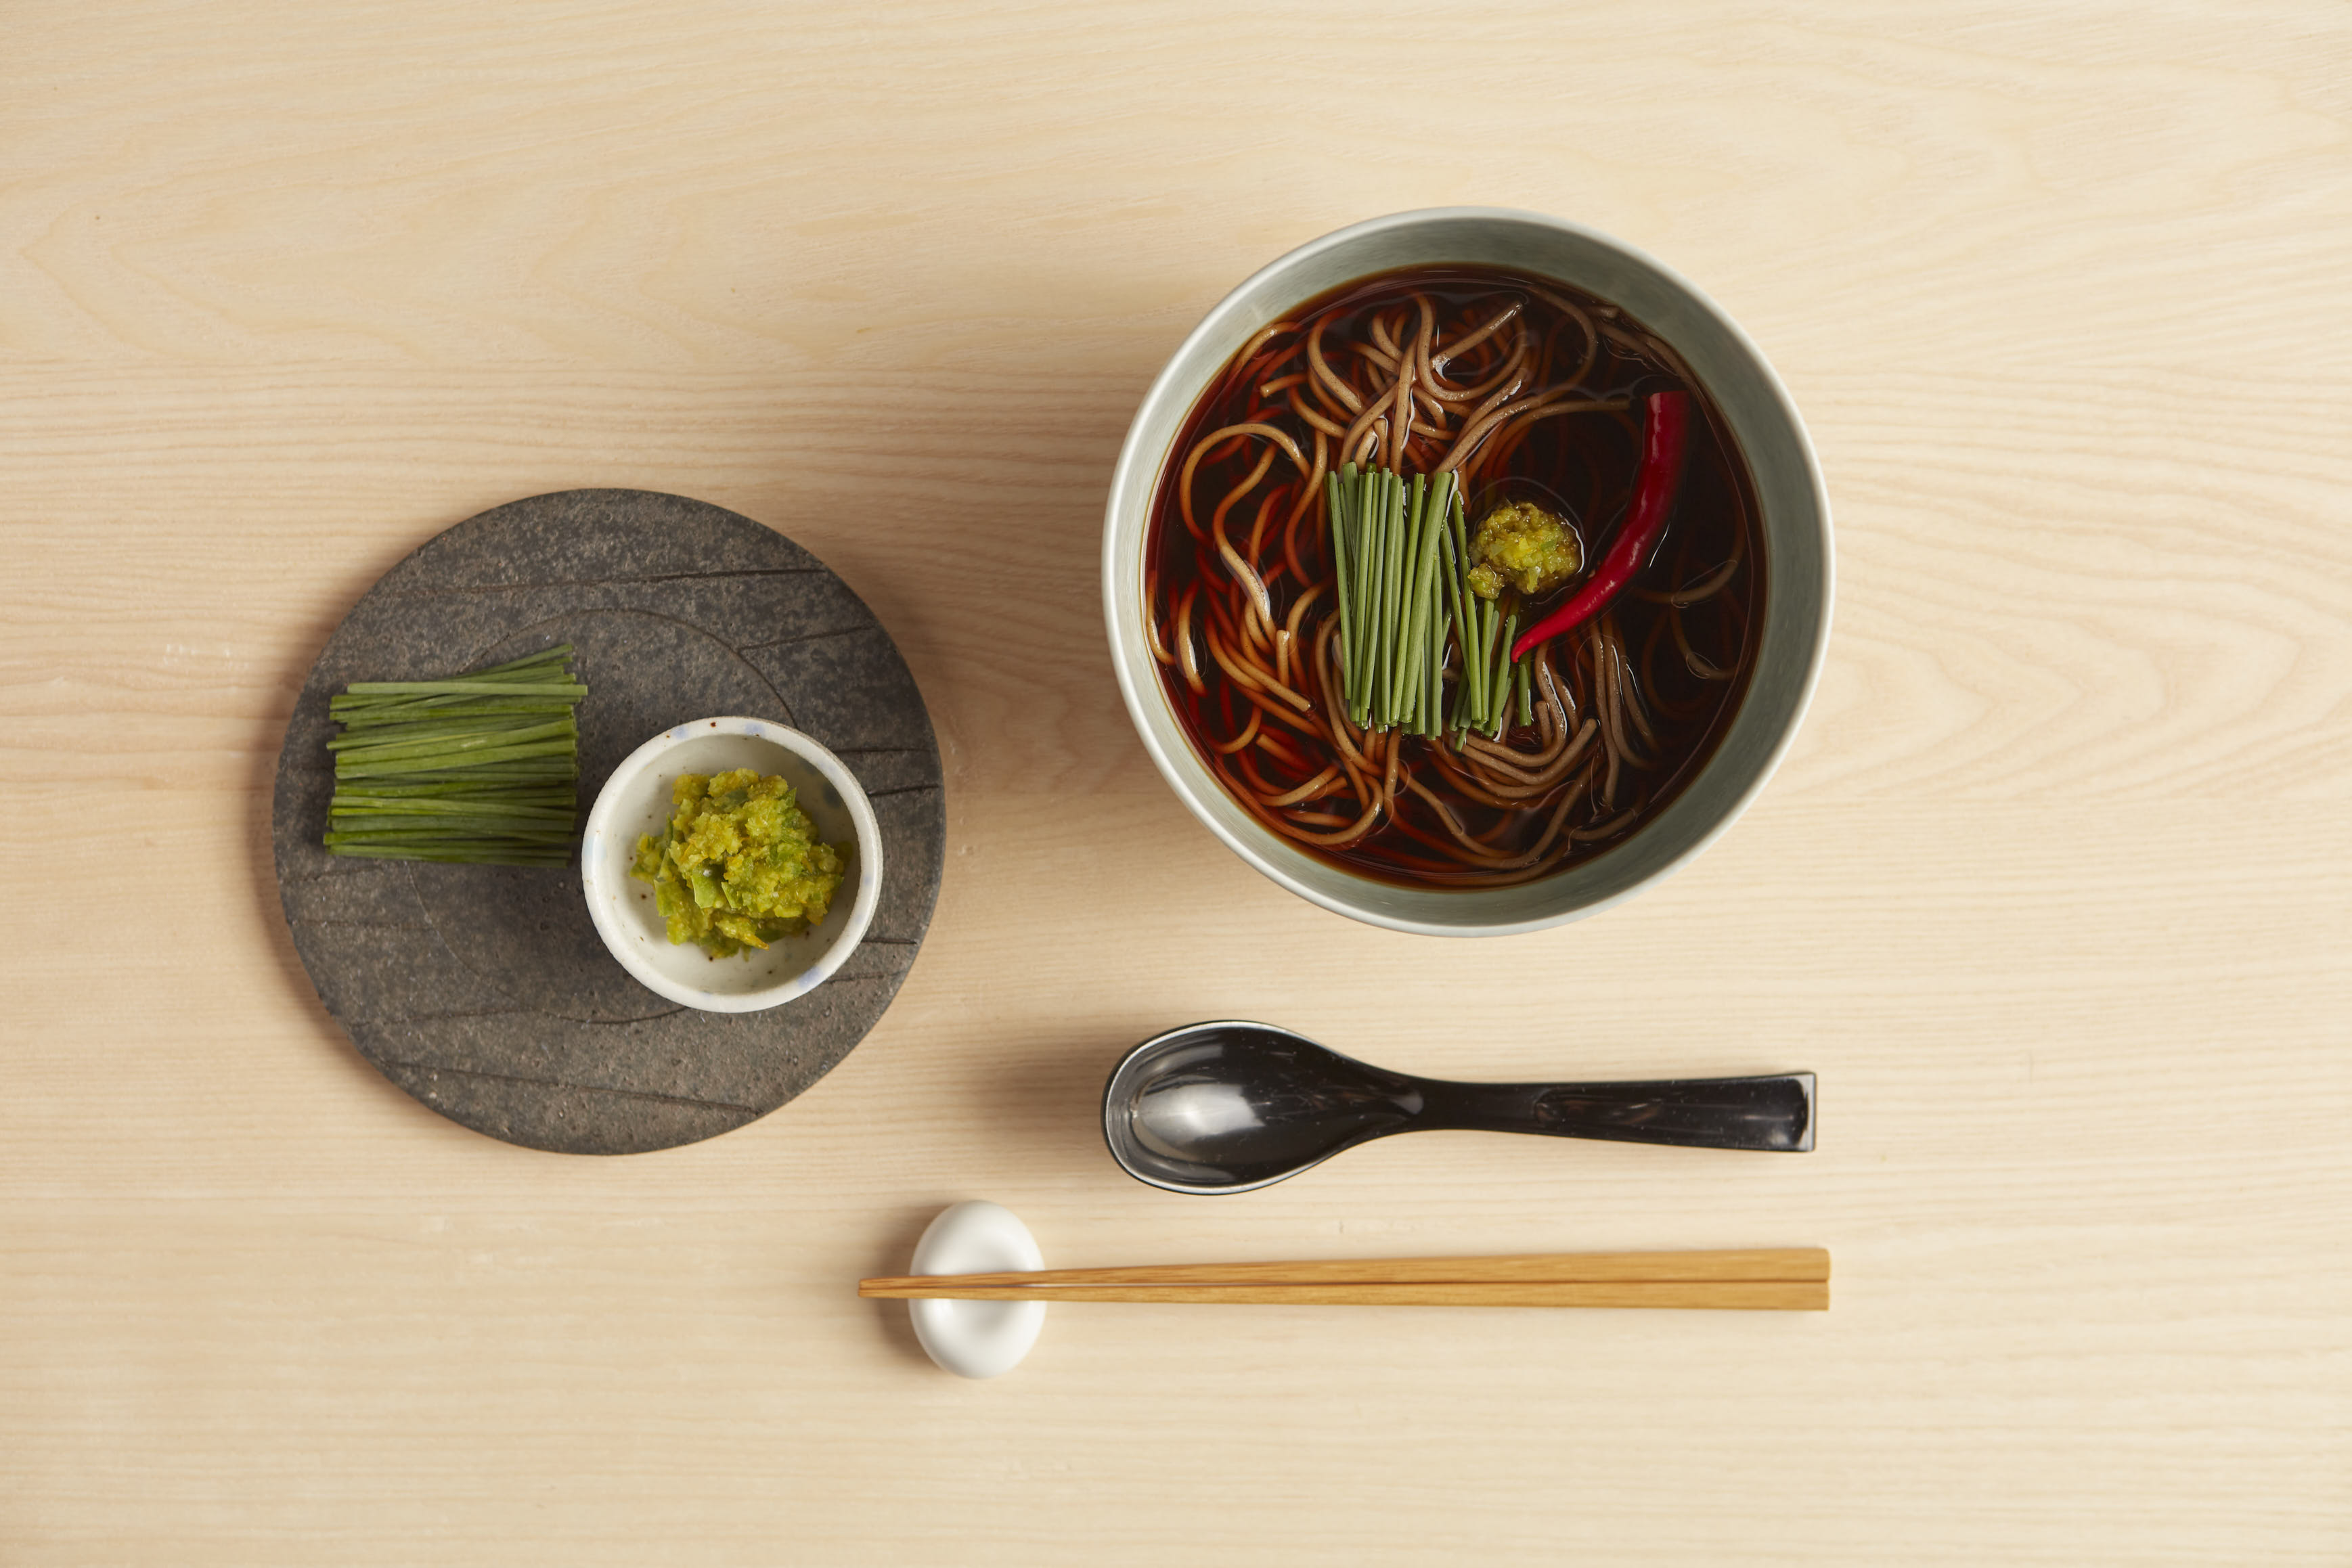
(2054, 894)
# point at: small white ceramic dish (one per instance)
(637, 799)
(977, 1339)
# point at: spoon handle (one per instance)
(1773, 1112)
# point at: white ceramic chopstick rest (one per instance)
(977, 1339)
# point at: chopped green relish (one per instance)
(1524, 547)
(739, 864)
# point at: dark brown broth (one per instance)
(1582, 466)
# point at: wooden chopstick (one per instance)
(1754, 1295)
(1535, 1267)
(1786, 1279)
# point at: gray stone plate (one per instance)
(483, 990)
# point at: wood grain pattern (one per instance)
(2052, 893)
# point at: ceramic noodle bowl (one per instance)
(1782, 618)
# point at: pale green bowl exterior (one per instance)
(1799, 576)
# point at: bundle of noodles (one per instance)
(1515, 390)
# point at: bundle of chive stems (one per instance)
(480, 768)
(1401, 549)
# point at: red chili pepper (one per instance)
(1654, 496)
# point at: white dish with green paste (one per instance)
(822, 824)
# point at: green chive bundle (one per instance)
(1402, 554)
(480, 768)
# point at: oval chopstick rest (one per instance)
(977, 1339)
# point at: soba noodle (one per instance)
(1520, 389)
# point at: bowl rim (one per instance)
(1165, 387)
(866, 824)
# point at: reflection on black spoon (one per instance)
(1226, 1107)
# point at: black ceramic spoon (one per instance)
(1226, 1107)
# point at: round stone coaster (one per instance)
(483, 990)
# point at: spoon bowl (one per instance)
(1230, 1106)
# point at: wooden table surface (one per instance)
(2053, 893)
